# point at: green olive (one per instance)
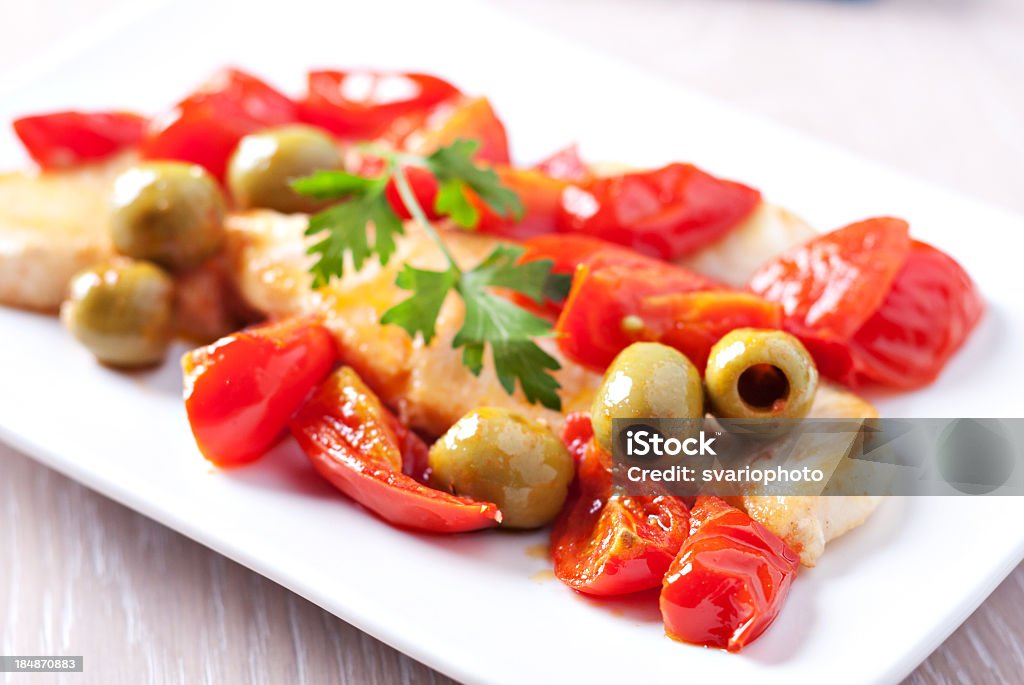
(647, 381)
(754, 375)
(170, 213)
(264, 164)
(122, 312)
(498, 456)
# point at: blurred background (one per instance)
(931, 87)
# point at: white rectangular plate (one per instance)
(481, 607)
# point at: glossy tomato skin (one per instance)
(354, 442)
(646, 275)
(928, 313)
(833, 283)
(576, 434)
(362, 105)
(873, 306)
(729, 580)
(616, 301)
(59, 140)
(693, 322)
(666, 213)
(469, 119)
(424, 187)
(241, 391)
(604, 544)
(206, 126)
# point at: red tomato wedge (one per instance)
(871, 305)
(354, 442)
(605, 544)
(568, 252)
(729, 580)
(576, 434)
(470, 119)
(206, 126)
(541, 197)
(362, 105)
(832, 284)
(930, 310)
(693, 322)
(667, 212)
(64, 139)
(241, 391)
(618, 299)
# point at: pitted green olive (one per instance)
(496, 455)
(647, 380)
(754, 375)
(170, 213)
(122, 312)
(264, 164)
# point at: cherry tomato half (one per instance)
(241, 391)
(871, 305)
(352, 441)
(667, 212)
(568, 252)
(617, 300)
(604, 544)
(206, 126)
(729, 580)
(931, 308)
(362, 105)
(833, 283)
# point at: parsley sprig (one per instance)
(363, 225)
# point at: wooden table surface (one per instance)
(930, 86)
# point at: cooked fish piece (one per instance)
(807, 523)
(767, 232)
(52, 225)
(426, 384)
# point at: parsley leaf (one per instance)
(364, 224)
(456, 171)
(346, 227)
(418, 314)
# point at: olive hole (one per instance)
(763, 386)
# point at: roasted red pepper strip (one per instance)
(352, 441)
(729, 580)
(241, 391)
(667, 212)
(63, 139)
(362, 105)
(206, 126)
(871, 305)
(604, 544)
